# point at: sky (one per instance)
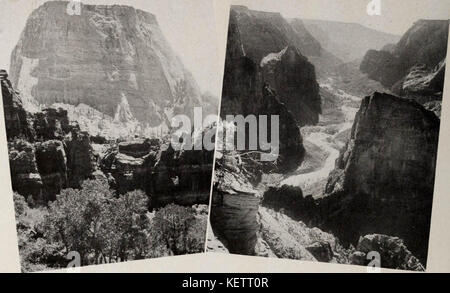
(188, 25)
(397, 16)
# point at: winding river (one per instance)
(324, 138)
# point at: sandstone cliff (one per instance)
(384, 178)
(114, 59)
(265, 74)
(265, 47)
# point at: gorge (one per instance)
(355, 189)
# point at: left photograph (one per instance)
(98, 99)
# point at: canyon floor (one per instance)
(322, 142)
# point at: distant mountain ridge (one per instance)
(415, 66)
(347, 41)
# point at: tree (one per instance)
(36, 254)
(102, 228)
(130, 226)
(179, 229)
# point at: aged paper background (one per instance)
(438, 260)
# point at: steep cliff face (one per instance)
(384, 177)
(107, 58)
(265, 47)
(413, 67)
(266, 75)
(17, 121)
(46, 152)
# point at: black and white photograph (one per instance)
(90, 91)
(357, 92)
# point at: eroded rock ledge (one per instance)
(49, 153)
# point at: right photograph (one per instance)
(330, 130)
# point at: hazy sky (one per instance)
(188, 25)
(396, 15)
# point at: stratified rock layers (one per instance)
(384, 178)
(107, 57)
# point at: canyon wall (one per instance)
(270, 53)
(384, 178)
(114, 59)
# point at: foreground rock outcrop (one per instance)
(64, 59)
(393, 253)
(384, 178)
(234, 207)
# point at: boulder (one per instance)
(393, 252)
(321, 251)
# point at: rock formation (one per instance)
(265, 74)
(168, 176)
(384, 177)
(49, 153)
(17, 122)
(234, 208)
(25, 176)
(415, 66)
(46, 152)
(114, 59)
(264, 47)
(393, 253)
